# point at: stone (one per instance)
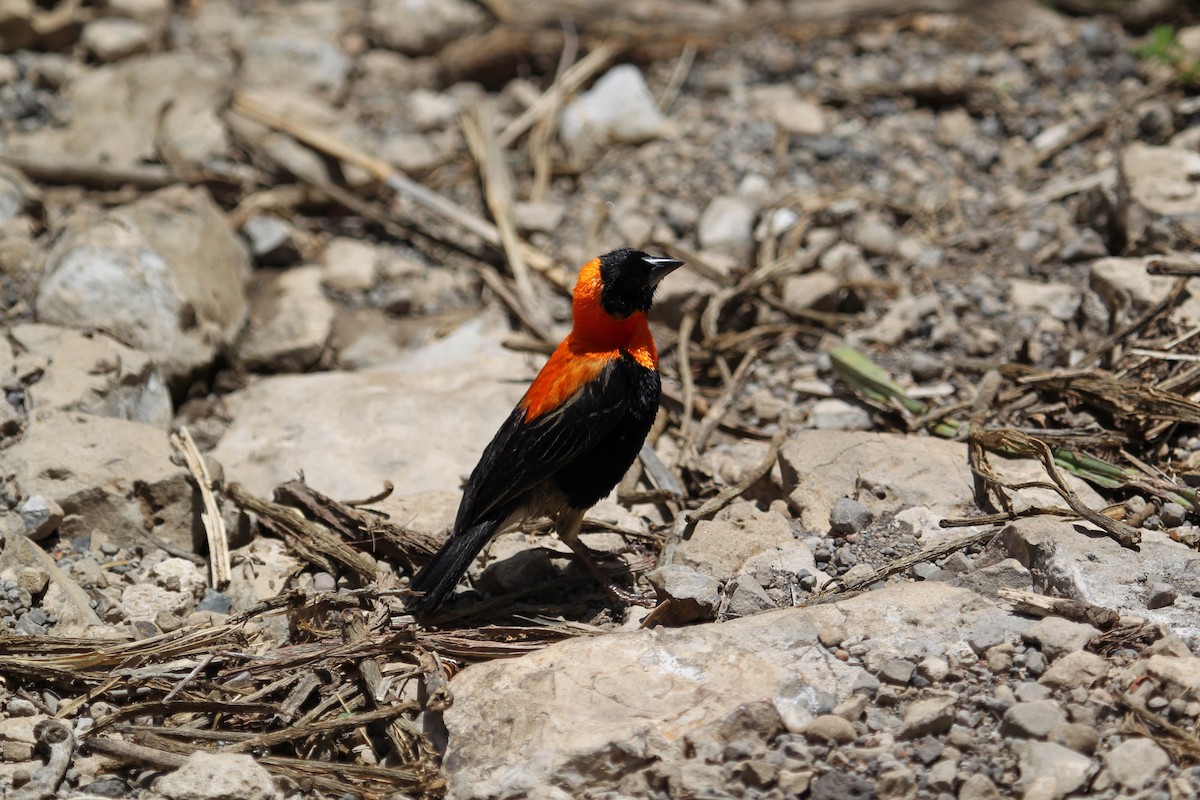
(63, 598)
(41, 517)
(875, 235)
(105, 473)
(1160, 209)
(897, 784)
(692, 595)
(217, 776)
(849, 516)
(1067, 770)
(617, 109)
(978, 787)
(989, 580)
(1060, 300)
(838, 785)
(295, 56)
(1076, 736)
(835, 414)
(1032, 720)
(792, 113)
(727, 225)
(115, 38)
(543, 216)
(1161, 595)
(429, 415)
(92, 373)
(1075, 670)
(747, 597)
(897, 671)
(163, 274)
(1056, 636)
(348, 265)
(421, 27)
(116, 111)
(144, 602)
(271, 239)
(1172, 514)
(180, 575)
(813, 290)
(722, 547)
(1136, 763)
(930, 716)
(290, 321)
(617, 724)
(1179, 674)
(830, 728)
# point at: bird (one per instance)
(574, 433)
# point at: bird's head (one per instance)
(623, 282)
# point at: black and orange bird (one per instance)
(576, 431)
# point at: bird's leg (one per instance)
(567, 526)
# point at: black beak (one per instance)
(661, 267)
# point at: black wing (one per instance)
(521, 454)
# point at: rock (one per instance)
(1136, 763)
(838, 785)
(830, 728)
(901, 319)
(1072, 560)
(722, 546)
(1056, 636)
(421, 27)
(116, 110)
(91, 373)
(295, 56)
(1179, 674)
(617, 109)
(849, 516)
(793, 114)
(1161, 595)
(897, 784)
(1032, 720)
(897, 671)
(429, 415)
(1080, 738)
(1172, 514)
(105, 473)
(692, 595)
(1159, 209)
(115, 38)
(746, 597)
(63, 597)
(814, 290)
(835, 414)
(217, 776)
(978, 787)
(1128, 289)
(164, 274)
(988, 581)
(617, 726)
(928, 717)
(272, 240)
(41, 517)
(542, 216)
(348, 265)
(1066, 770)
(180, 575)
(144, 601)
(1060, 300)
(290, 321)
(727, 225)
(17, 737)
(1074, 670)
(875, 235)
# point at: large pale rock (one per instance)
(617, 109)
(420, 27)
(1128, 290)
(290, 321)
(63, 597)
(164, 274)
(217, 776)
(92, 373)
(720, 547)
(115, 112)
(1072, 559)
(106, 473)
(421, 422)
(584, 713)
(1160, 202)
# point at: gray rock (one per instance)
(1056, 636)
(290, 321)
(1172, 514)
(617, 109)
(988, 581)
(693, 596)
(897, 671)
(64, 599)
(291, 55)
(978, 787)
(1060, 300)
(835, 414)
(1076, 736)
(439, 406)
(723, 546)
(421, 27)
(747, 597)
(1074, 670)
(1137, 763)
(271, 239)
(815, 290)
(727, 225)
(91, 373)
(1160, 209)
(348, 265)
(1032, 720)
(875, 235)
(1161, 595)
(928, 717)
(786, 108)
(164, 274)
(849, 516)
(839, 785)
(830, 728)
(1065, 770)
(217, 776)
(144, 602)
(41, 517)
(115, 38)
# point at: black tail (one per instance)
(438, 578)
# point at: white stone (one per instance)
(617, 109)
